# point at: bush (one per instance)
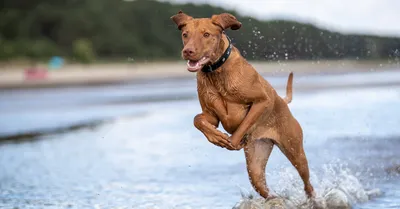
(83, 51)
(40, 49)
(7, 50)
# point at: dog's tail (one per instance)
(289, 88)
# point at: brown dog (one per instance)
(231, 91)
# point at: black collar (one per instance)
(220, 61)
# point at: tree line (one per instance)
(89, 30)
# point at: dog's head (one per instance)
(201, 37)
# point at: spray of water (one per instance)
(335, 186)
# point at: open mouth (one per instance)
(194, 66)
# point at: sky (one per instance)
(376, 17)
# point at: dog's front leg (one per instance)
(262, 103)
(207, 124)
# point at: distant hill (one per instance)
(142, 29)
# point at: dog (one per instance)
(231, 92)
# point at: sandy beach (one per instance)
(12, 76)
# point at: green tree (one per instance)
(142, 29)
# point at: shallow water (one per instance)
(149, 155)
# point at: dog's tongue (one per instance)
(193, 63)
(194, 66)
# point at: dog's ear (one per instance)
(181, 19)
(226, 20)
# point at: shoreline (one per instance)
(302, 85)
(35, 134)
(12, 77)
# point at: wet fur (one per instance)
(246, 105)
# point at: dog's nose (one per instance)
(188, 52)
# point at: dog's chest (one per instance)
(227, 88)
(223, 99)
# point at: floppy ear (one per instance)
(181, 19)
(226, 20)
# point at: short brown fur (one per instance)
(239, 98)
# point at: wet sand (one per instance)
(12, 76)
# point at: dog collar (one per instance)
(220, 61)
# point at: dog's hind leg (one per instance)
(257, 153)
(292, 148)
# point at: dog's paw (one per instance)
(222, 140)
(236, 147)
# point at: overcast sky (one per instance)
(379, 17)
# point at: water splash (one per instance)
(335, 186)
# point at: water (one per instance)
(148, 154)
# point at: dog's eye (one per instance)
(185, 35)
(206, 35)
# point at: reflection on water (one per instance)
(159, 160)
